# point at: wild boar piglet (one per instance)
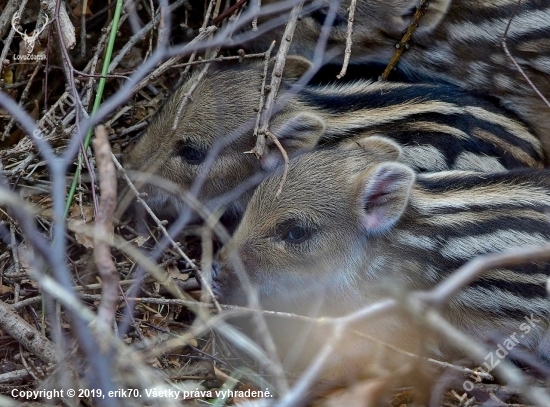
(352, 227)
(439, 127)
(456, 41)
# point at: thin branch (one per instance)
(520, 69)
(267, 55)
(219, 59)
(162, 228)
(349, 42)
(276, 79)
(66, 29)
(285, 157)
(104, 230)
(229, 11)
(26, 335)
(445, 290)
(83, 29)
(188, 94)
(403, 44)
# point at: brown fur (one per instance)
(372, 232)
(438, 127)
(456, 41)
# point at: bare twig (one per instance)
(13, 247)
(188, 94)
(520, 69)
(276, 79)
(403, 44)
(218, 59)
(445, 290)
(162, 228)
(267, 55)
(14, 376)
(285, 157)
(349, 42)
(258, 4)
(66, 32)
(229, 11)
(207, 254)
(104, 230)
(83, 29)
(26, 334)
(509, 55)
(461, 369)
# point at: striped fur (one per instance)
(373, 231)
(438, 126)
(458, 41)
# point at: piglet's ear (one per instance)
(297, 133)
(379, 148)
(295, 66)
(384, 195)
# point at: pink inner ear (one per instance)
(385, 197)
(372, 221)
(374, 199)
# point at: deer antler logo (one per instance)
(30, 40)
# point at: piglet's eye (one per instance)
(191, 154)
(294, 233)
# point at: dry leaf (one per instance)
(78, 10)
(140, 240)
(7, 75)
(158, 320)
(81, 238)
(176, 274)
(78, 217)
(25, 257)
(4, 289)
(174, 361)
(84, 212)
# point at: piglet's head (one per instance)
(206, 126)
(314, 240)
